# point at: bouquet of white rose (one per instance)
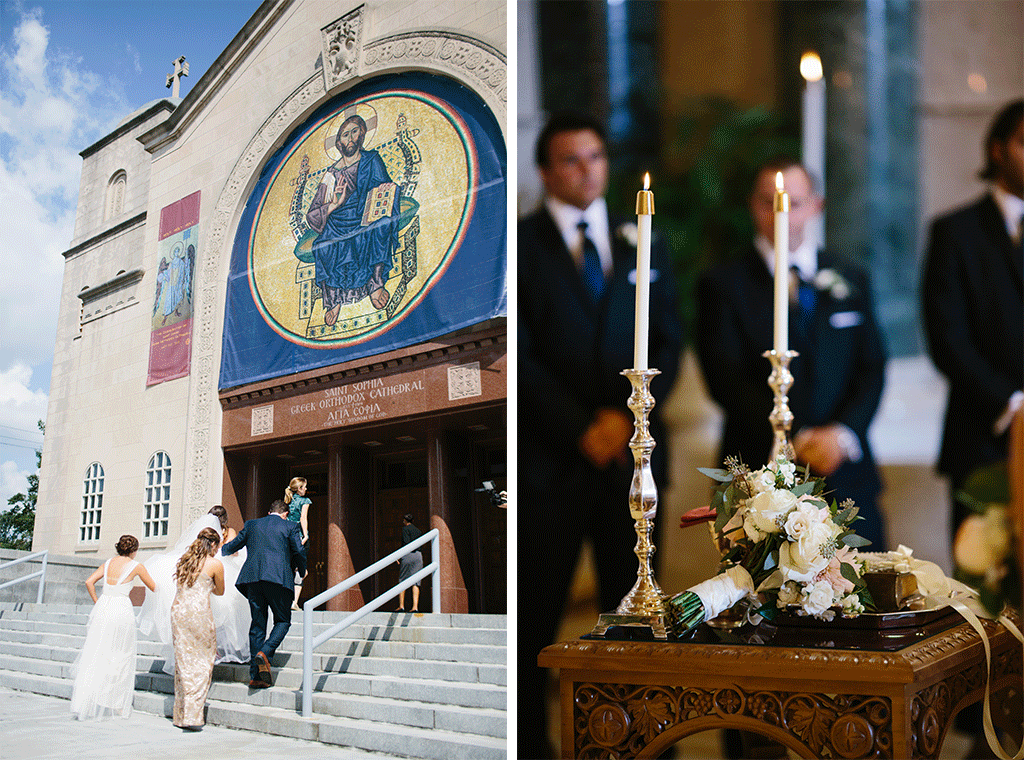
(781, 543)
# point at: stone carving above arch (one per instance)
(480, 66)
(342, 44)
(346, 55)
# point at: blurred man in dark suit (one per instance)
(974, 321)
(839, 373)
(972, 300)
(576, 299)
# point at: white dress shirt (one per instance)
(804, 258)
(1012, 208)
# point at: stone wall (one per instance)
(65, 578)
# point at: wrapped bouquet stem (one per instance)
(708, 599)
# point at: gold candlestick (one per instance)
(644, 605)
(780, 381)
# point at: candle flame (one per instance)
(778, 182)
(647, 180)
(810, 66)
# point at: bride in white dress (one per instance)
(230, 611)
(105, 668)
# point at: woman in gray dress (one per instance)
(410, 564)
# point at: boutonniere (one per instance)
(628, 233)
(830, 280)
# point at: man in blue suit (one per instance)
(267, 580)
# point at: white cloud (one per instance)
(134, 54)
(21, 408)
(12, 480)
(50, 109)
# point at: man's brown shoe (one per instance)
(254, 684)
(263, 665)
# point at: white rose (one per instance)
(786, 469)
(761, 481)
(629, 233)
(800, 520)
(832, 281)
(817, 598)
(802, 560)
(851, 605)
(981, 542)
(768, 510)
(789, 593)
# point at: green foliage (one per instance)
(702, 209)
(18, 522)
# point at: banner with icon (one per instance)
(379, 224)
(170, 340)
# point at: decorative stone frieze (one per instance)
(468, 59)
(116, 294)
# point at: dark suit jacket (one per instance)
(838, 376)
(974, 321)
(275, 551)
(571, 351)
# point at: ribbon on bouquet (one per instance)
(708, 599)
(939, 590)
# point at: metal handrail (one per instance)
(40, 574)
(309, 643)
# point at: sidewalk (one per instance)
(35, 726)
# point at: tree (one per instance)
(18, 522)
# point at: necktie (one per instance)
(593, 273)
(806, 299)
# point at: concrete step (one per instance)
(374, 619)
(261, 714)
(427, 632)
(396, 741)
(348, 684)
(151, 659)
(428, 686)
(362, 701)
(443, 681)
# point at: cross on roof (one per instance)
(180, 70)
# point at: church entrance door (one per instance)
(402, 489)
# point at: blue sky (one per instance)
(70, 70)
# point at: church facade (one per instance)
(298, 270)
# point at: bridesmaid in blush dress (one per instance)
(199, 574)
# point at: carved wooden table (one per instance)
(818, 692)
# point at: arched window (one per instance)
(92, 503)
(115, 194)
(158, 496)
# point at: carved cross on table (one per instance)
(180, 70)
